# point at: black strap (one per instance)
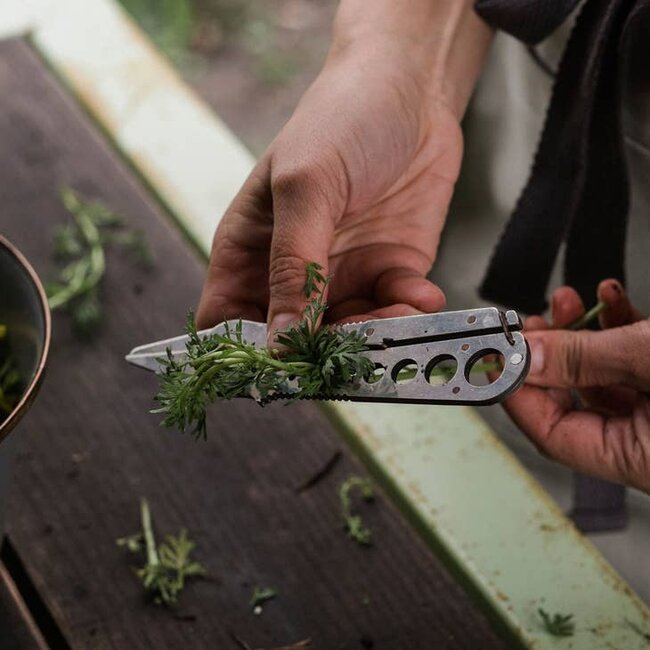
(528, 20)
(577, 190)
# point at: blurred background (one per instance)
(251, 61)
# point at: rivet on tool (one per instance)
(506, 329)
(516, 359)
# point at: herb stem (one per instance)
(588, 317)
(87, 275)
(147, 531)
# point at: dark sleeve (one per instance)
(528, 20)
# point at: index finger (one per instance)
(237, 281)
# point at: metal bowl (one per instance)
(23, 308)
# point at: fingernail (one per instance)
(280, 322)
(616, 286)
(536, 356)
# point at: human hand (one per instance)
(609, 436)
(359, 181)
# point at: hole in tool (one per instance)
(480, 364)
(376, 374)
(471, 319)
(441, 370)
(404, 371)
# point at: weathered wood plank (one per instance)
(89, 449)
(17, 632)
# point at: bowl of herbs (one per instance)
(24, 335)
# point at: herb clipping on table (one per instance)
(315, 361)
(353, 523)
(80, 250)
(167, 566)
(560, 625)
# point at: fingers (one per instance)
(533, 323)
(566, 359)
(620, 310)
(397, 291)
(236, 284)
(566, 307)
(614, 448)
(393, 311)
(306, 206)
(407, 286)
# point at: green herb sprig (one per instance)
(79, 247)
(167, 566)
(315, 361)
(262, 595)
(560, 625)
(353, 523)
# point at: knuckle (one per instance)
(286, 274)
(571, 360)
(638, 362)
(320, 181)
(298, 183)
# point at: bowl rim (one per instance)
(30, 392)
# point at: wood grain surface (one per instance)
(89, 449)
(16, 630)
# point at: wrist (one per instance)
(441, 42)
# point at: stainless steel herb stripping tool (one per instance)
(424, 359)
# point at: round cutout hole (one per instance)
(405, 371)
(376, 374)
(486, 361)
(441, 370)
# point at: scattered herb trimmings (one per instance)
(561, 625)
(315, 362)
(167, 566)
(79, 248)
(353, 523)
(260, 596)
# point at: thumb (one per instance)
(565, 359)
(304, 216)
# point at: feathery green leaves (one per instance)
(316, 361)
(167, 566)
(353, 523)
(558, 624)
(79, 248)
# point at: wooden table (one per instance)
(89, 450)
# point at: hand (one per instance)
(360, 178)
(609, 437)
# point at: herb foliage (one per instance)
(315, 362)
(79, 248)
(353, 523)
(560, 625)
(261, 595)
(167, 566)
